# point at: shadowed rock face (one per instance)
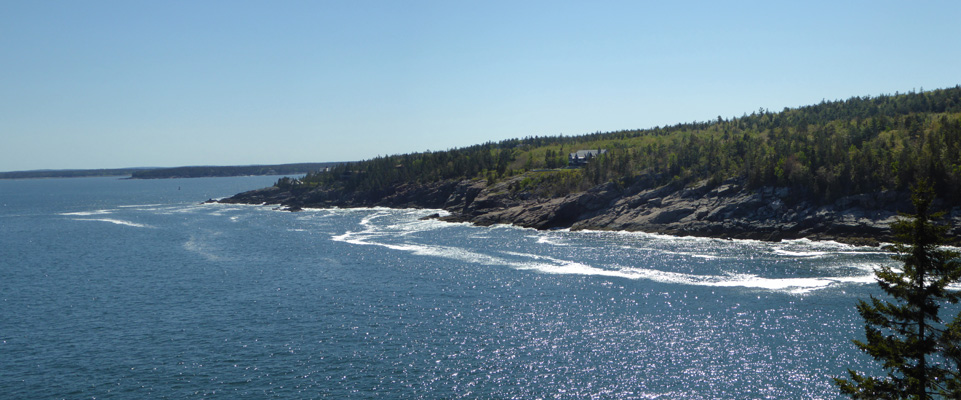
(729, 210)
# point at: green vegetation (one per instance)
(906, 335)
(827, 150)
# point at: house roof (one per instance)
(586, 153)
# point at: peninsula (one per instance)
(838, 170)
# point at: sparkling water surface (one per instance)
(116, 288)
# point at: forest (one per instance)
(827, 150)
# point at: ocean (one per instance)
(113, 288)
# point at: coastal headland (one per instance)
(726, 210)
(841, 170)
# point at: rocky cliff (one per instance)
(729, 210)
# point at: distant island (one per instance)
(839, 170)
(176, 172)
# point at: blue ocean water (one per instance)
(134, 289)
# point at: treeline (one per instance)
(384, 172)
(828, 150)
(215, 171)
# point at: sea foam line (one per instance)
(551, 265)
(114, 221)
(807, 254)
(449, 252)
(86, 213)
(793, 285)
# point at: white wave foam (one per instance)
(793, 285)
(408, 228)
(368, 221)
(684, 253)
(862, 279)
(573, 268)
(348, 237)
(557, 266)
(823, 244)
(449, 252)
(551, 240)
(372, 234)
(141, 206)
(114, 221)
(809, 254)
(671, 238)
(87, 213)
(191, 208)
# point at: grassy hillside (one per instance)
(827, 150)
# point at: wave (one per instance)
(449, 252)
(383, 228)
(792, 285)
(147, 206)
(87, 213)
(549, 239)
(666, 237)
(800, 253)
(181, 209)
(683, 253)
(115, 221)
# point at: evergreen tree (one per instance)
(906, 335)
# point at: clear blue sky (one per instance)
(109, 84)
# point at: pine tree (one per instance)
(906, 335)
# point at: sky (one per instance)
(136, 83)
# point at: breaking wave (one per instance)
(87, 213)
(114, 221)
(403, 231)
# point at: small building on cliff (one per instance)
(580, 158)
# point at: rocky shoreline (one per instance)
(728, 210)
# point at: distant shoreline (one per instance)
(70, 173)
(172, 173)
